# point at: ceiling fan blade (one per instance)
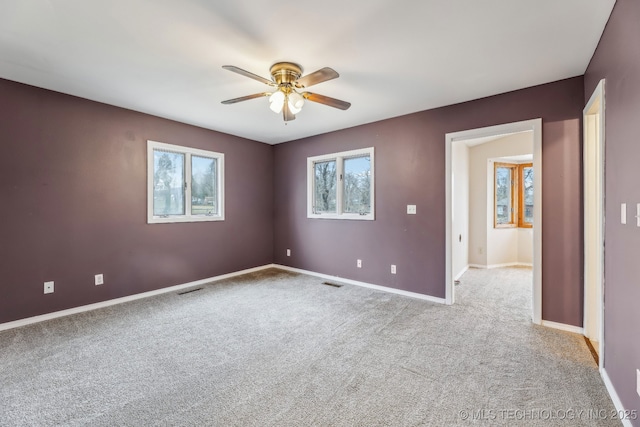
(287, 114)
(331, 102)
(248, 74)
(316, 77)
(246, 98)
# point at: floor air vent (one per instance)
(189, 291)
(335, 285)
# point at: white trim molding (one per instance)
(563, 327)
(363, 284)
(116, 301)
(508, 264)
(593, 156)
(614, 397)
(535, 126)
(108, 303)
(459, 275)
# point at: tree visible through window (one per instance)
(357, 185)
(168, 183)
(513, 191)
(325, 187)
(185, 184)
(504, 186)
(340, 185)
(204, 200)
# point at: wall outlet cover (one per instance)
(99, 279)
(48, 287)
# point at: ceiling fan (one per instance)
(286, 81)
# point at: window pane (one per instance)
(527, 190)
(204, 198)
(325, 187)
(168, 183)
(503, 195)
(357, 185)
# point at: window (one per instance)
(184, 184)
(513, 192)
(341, 185)
(525, 195)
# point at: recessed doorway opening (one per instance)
(455, 215)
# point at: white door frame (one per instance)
(534, 125)
(594, 138)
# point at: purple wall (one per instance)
(73, 197)
(409, 156)
(617, 60)
(74, 174)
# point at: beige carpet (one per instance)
(280, 349)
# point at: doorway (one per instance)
(535, 126)
(593, 170)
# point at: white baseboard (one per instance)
(563, 327)
(459, 275)
(108, 303)
(508, 264)
(363, 284)
(614, 397)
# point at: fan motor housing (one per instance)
(285, 72)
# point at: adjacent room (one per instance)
(256, 213)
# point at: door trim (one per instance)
(534, 125)
(595, 106)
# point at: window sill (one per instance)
(175, 219)
(369, 217)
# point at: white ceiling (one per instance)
(484, 139)
(164, 57)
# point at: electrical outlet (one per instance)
(623, 213)
(48, 287)
(411, 209)
(288, 252)
(99, 279)
(638, 381)
(393, 269)
(480, 250)
(359, 263)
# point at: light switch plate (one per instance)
(411, 209)
(638, 381)
(638, 215)
(623, 213)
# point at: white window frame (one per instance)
(188, 152)
(339, 159)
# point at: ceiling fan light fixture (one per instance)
(286, 79)
(276, 101)
(296, 101)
